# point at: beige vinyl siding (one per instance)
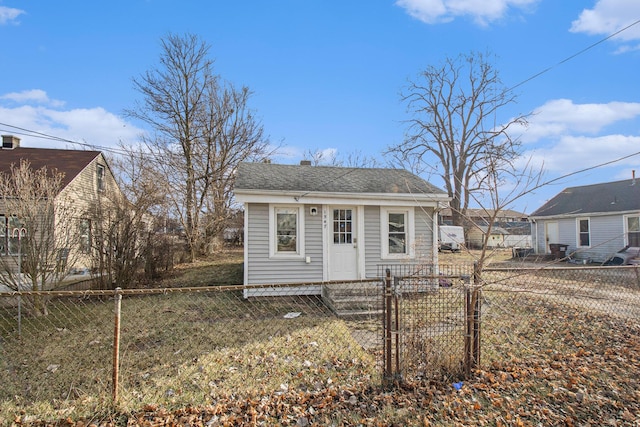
(84, 194)
(265, 270)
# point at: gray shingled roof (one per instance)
(618, 196)
(329, 179)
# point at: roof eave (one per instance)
(271, 196)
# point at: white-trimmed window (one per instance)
(84, 234)
(584, 232)
(100, 177)
(396, 225)
(632, 228)
(286, 236)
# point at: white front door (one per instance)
(343, 249)
(552, 235)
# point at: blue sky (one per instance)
(327, 74)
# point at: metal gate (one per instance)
(431, 322)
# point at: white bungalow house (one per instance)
(308, 223)
(591, 222)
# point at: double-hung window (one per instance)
(286, 231)
(584, 232)
(396, 225)
(633, 230)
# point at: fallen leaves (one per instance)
(576, 378)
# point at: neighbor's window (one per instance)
(584, 234)
(3, 235)
(84, 231)
(633, 231)
(397, 232)
(100, 177)
(15, 233)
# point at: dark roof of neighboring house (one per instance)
(609, 197)
(68, 162)
(330, 179)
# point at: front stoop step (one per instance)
(353, 301)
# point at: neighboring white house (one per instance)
(593, 221)
(308, 223)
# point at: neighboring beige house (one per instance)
(87, 182)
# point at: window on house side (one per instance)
(3, 235)
(286, 230)
(100, 177)
(85, 236)
(584, 239)
(633, 231)
(14, 238)
(397, 233)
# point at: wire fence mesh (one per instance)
(190, 346)
(177, 347)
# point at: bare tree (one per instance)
(231, 134)
(355, 159)
(454, 108)
(41, 237)
(172, 100)
(123, 236)
(204, 128)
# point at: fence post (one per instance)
(472, 335)
(387, 328)
(116, 343)
(468, 332)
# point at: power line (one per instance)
(575, 54)
(36, 134)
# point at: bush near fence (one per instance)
(193, 346)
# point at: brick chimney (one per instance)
(9, 142)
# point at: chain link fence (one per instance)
(193, 346)
(176, 347)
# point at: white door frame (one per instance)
(358, 236)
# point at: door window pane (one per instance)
(342, 226)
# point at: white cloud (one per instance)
(9, 15)
(609, 16)
(573, 153)
(32, 96)
(94, 126)
(483, 12)
(561, 117)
